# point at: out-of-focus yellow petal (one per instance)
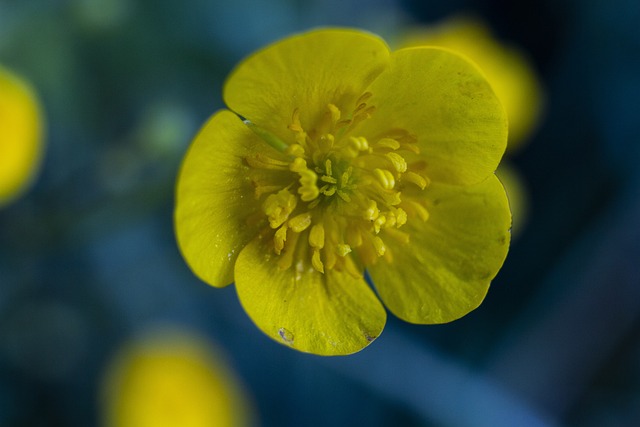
(518, 195)
(171, 379)
(445, 270)
(305, 72)
(215, 200)
(326, 314)
(507, 68)
(447, 103)
(21, 139)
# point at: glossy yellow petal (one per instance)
(507, 68)
(445, 270)
(171, 379)
(215, 200)
(326, 314)
(305, 72)
(516, 188)
(446, 102)
(21, 139)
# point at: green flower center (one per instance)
(339, 190)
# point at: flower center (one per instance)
(342, 192)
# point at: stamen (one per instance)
(260, 189)
(379, 245)
(343, 249)
(388, 143)
(279, 206)
(416, 179)
(335, 113)
(308, 189)
(279, 239)
(260, 161)
(295, 150)
(359, 143)
(417, 209)
(316, 236)
(331, 165)
(364, 98)
(397, 235)
(286, 257)
(385, 178)
(300, 222)
(397, 161)
(316, 262)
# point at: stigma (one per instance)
(331, 196)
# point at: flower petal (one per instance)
(445, 270)
(326, 314)
(215, 198)
(447, 103)
(306, 72)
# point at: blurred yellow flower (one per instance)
(507, 68)
(21, 142)
(169, 379)
(347, 156)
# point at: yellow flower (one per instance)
(171, 379)
(21, 142)
(348, 157)
(506, 67)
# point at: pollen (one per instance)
(341, 194)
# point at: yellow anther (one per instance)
(343, 249)
(359, 143)
(418, 209)
(308, 189)
(316, 262)
(391, 219)
(397, 235)
(371, 211)
(388, 143)
(298, 165)
(295, 150)
(295, 121)
(398, 162)
(385, 178)
(316, 236)
(261, 189)
(260, 161)
(279, 206)
(326, 142)
(335, 113)
(401, 217)
(286, 257)
(354, 237)
(391, 197)
(416, 179)
(300, 222)
(379, 223)
(364, 98)
(379, 245)
(279, 239)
